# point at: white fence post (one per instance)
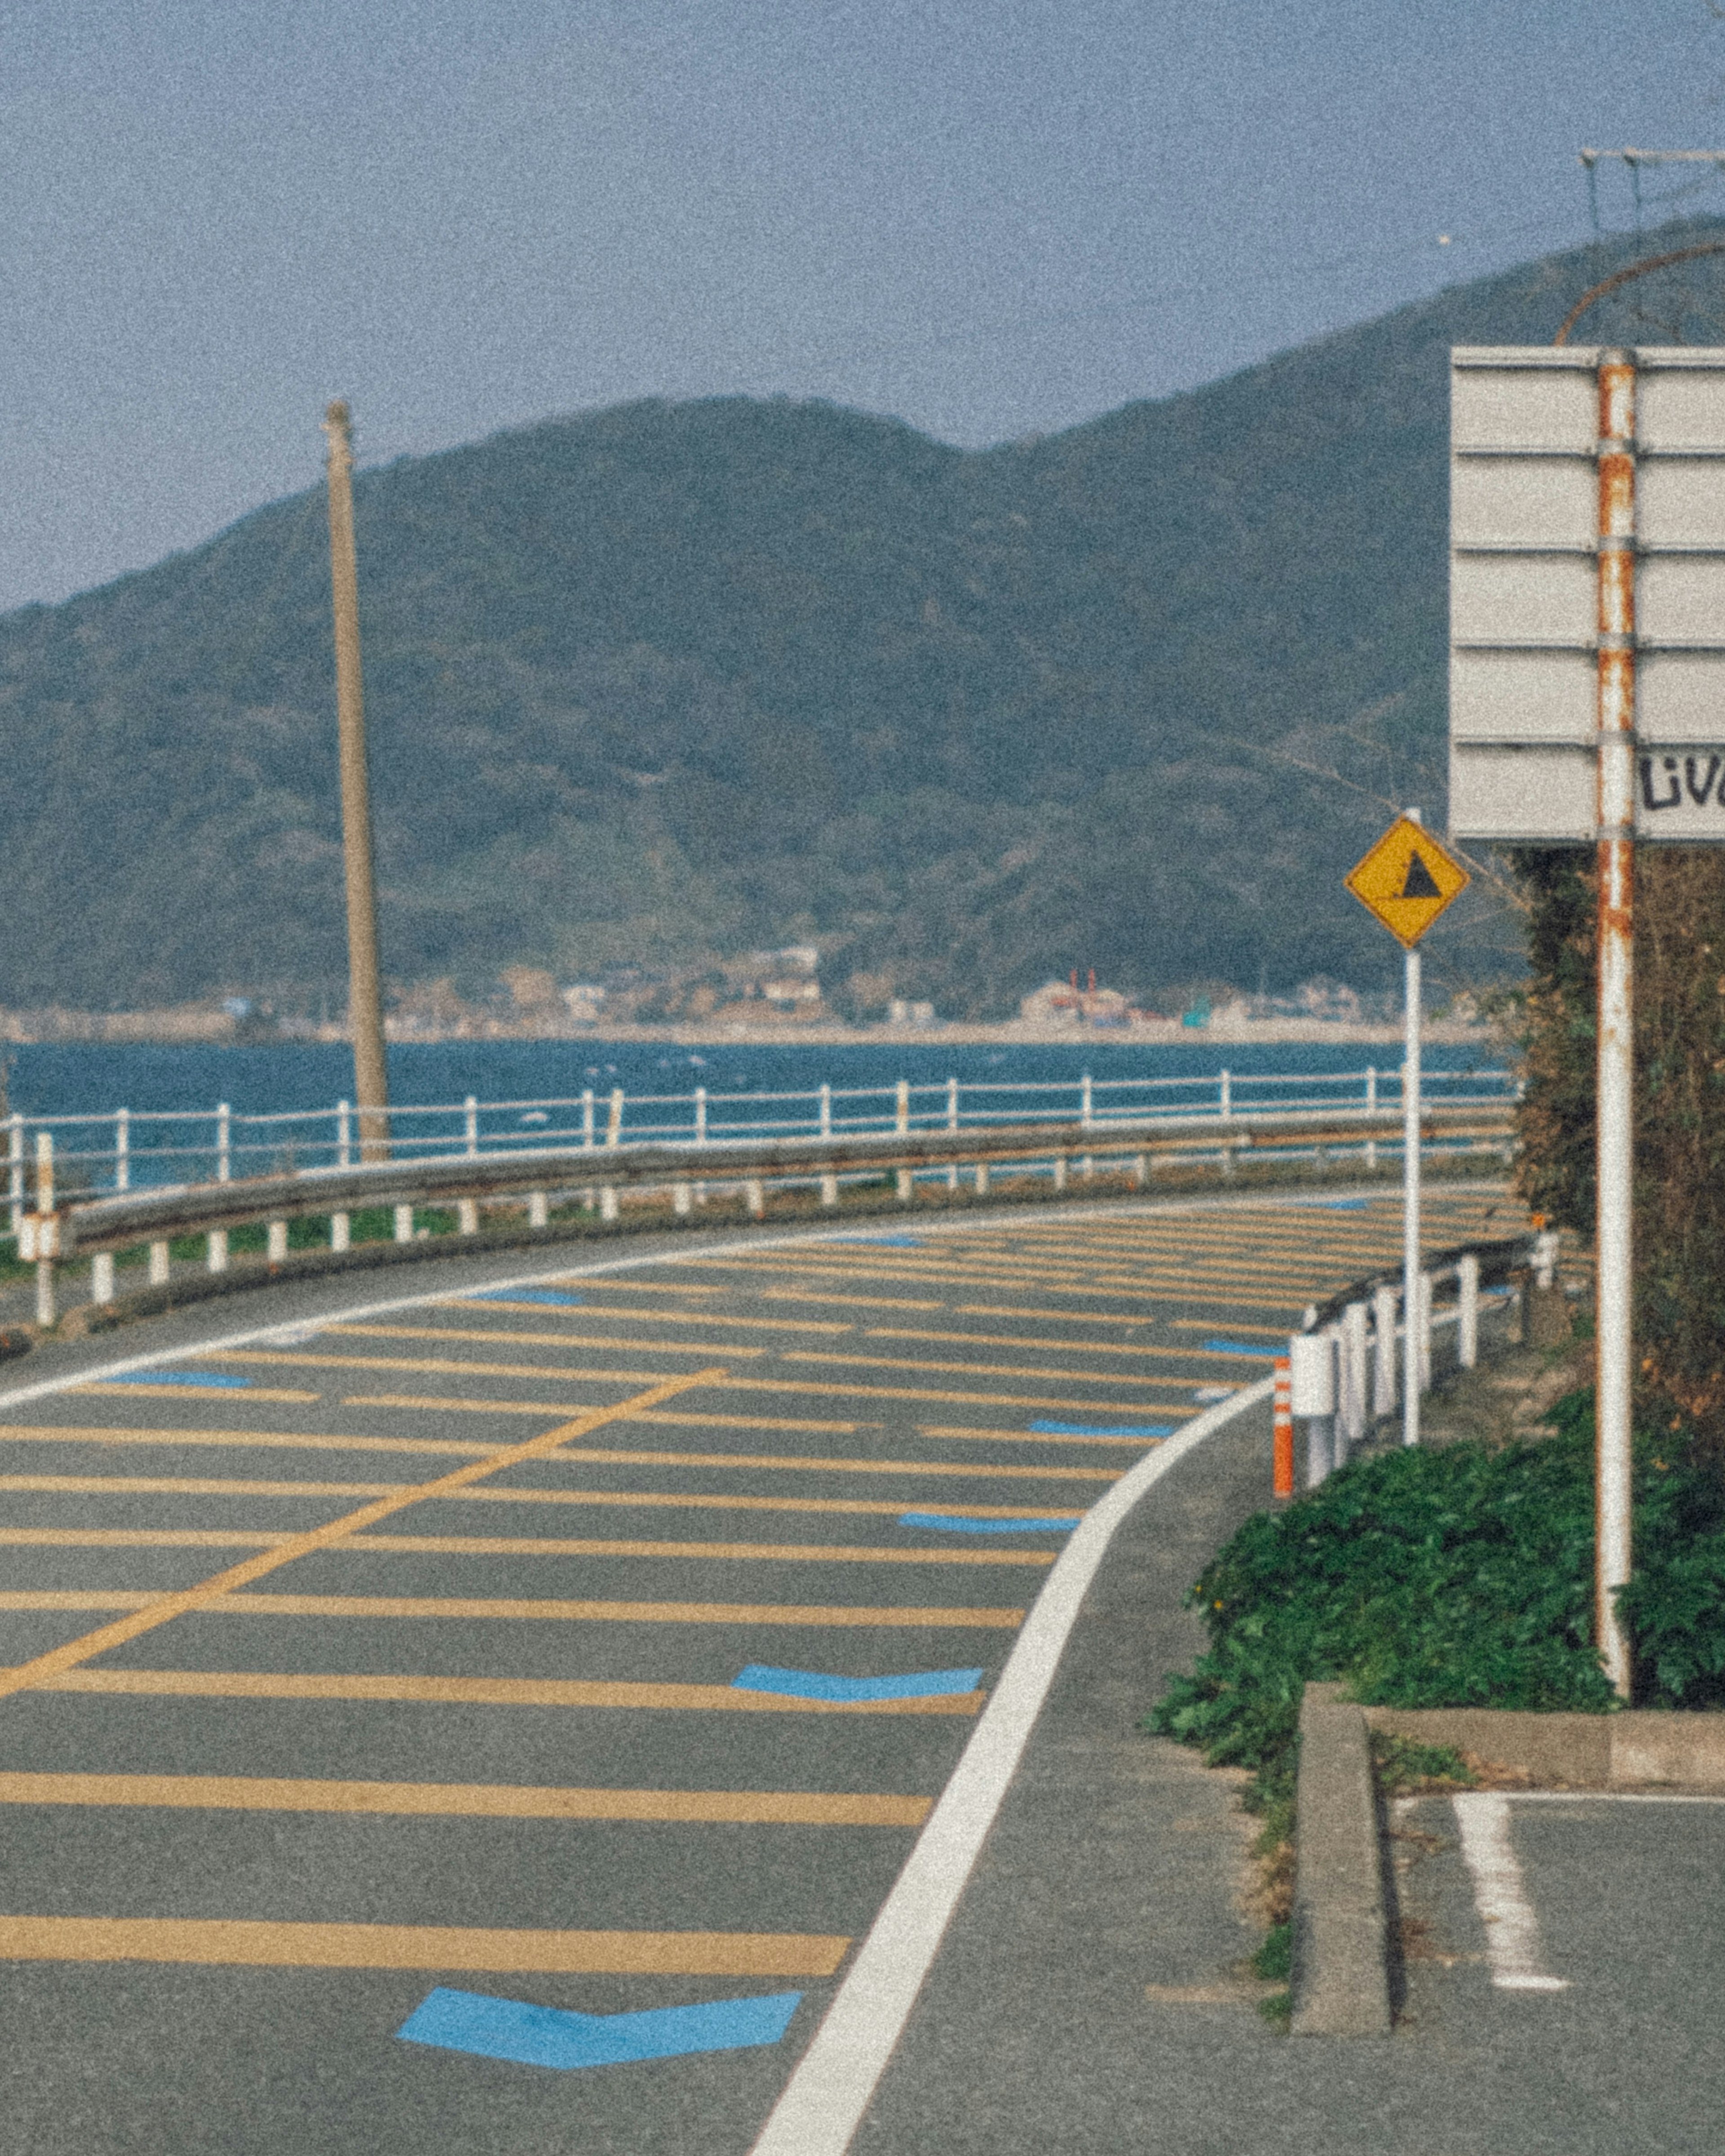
(470, 1111)
(952, 1125)
(1427, 1291)
(1383, 1351)
(1312, 1358)
(614, 1120)
(587, 1117)
(341, 1230)
(344, 1134)
(224, 1143)
(1059, 1172)
(15, 1166)
(681, 1195)
(1225, 1098)
(982, 1178)
(1467, 1328)
(1352, 1379)
(276, 1254)
(538, 1209)
(217, 1250)
(467, 1216)
(830, 1190)
(904, 1186)
(607, 1204)
(699, 1135)
(403, 1224)
(160, 1257)
(1371, 1110)
(122, 1149)
(756, 1191)
(901, 1122)
(826, 1110)
(101, 1277)
(45, 1312)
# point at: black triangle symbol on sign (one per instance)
(1418, 882)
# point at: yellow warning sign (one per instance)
(1406, 880)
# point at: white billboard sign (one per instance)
(1524, 593)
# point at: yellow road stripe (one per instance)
(459, 1799)
(417, 1400)
(1062, 1404)
(210, 1592)
(1054, 1316)
(1033, 1436)
(810, 1463)
(1206, 1324)
(562, 1373)
(368, 1606)
(868, 1301)
(972, 1369)
(1006, 1340)
(491, 1692)
(228, 1944)
(749, 1552)
(645, 1317)
(669, 1499)
(281, 1440)
(509, 1334)
(117, 1391)
(501, 1546)
(941, 1616)
(587, 1283)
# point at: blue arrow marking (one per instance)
(525, 1295)
(1238, 1347)
(215, 1378)
(549, 2036)
(1090, 1430)
(882, 1242)
(811, 1684)
(952, 1526)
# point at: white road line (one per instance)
(824, 2102)
(1512, 1928)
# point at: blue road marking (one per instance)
(525, 1295)
(950, 1525)
(551, 2036)
(1093, 1429)
(812, 1684)
(882, 1242)
(1345, 1205)
(1238, 1347)
(215, 1378)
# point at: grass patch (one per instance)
(1274, 1961)
(1407, 1769)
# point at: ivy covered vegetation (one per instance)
(1456, 1577)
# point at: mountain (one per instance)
(669, 680)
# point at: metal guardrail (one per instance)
(96, 1226)
(124, 1148)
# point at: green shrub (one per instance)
(1460, 1576)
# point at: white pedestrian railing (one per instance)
(128, 1148)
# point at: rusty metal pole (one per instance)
(364, 992)
(1616, 1109)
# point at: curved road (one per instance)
(596, 1642)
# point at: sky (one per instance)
(988, 217)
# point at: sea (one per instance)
(78, 1079)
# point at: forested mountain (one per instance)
(668, 679)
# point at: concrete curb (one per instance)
(1341, 1957)
(1582, 1751)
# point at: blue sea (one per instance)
(173, 1090)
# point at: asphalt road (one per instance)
(499, 1641)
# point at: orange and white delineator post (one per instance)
(1284, 1427)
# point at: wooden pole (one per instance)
(364, 992)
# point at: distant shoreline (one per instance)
(196, 1026)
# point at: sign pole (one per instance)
(1616, 1133)
(1411, 1314)
(1405, 881)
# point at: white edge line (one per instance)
(823, 2103)
(105, 1373)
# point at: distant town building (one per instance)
(585, 1002)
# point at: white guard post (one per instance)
(1312, 1377)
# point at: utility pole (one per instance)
(365, 1002)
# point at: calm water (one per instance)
(78, 1080)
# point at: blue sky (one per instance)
(990, 217)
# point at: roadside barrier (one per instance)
(98, 1229)
(124, 1148)
(1343, 1364)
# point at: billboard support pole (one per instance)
(1616, 1133)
